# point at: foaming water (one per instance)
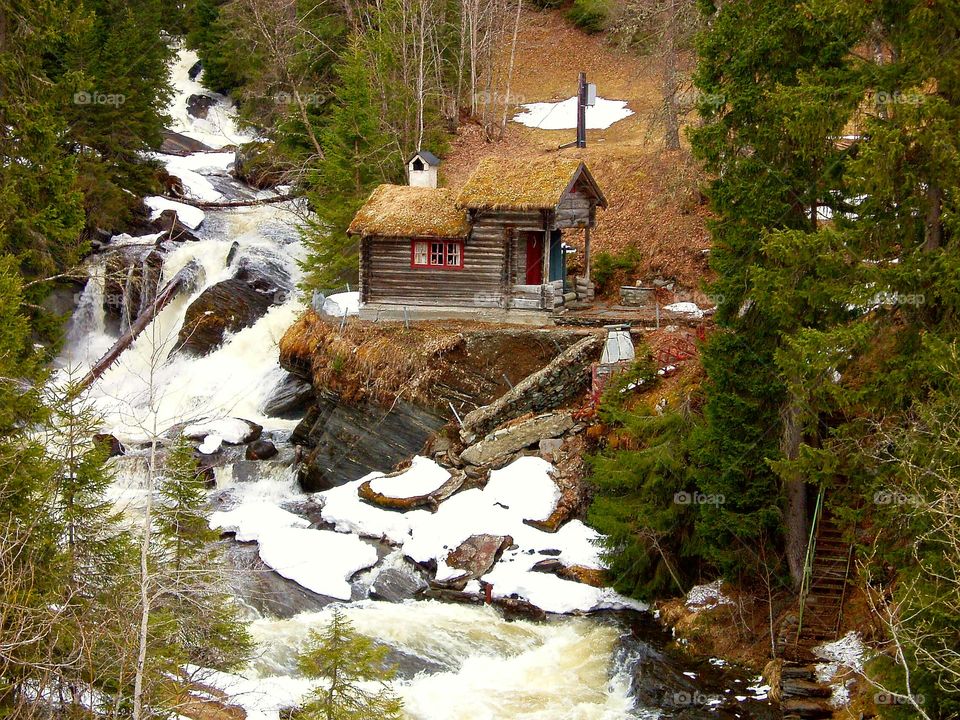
(491, 668)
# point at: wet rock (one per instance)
(517, 609)
(176, 144)
(396, 585)
(560, 381)
(169, 224)
(110, 443)
(254, 164)
(500, 445)
(290, 396)
(194, 72)
(199, 105)
(343, 442)
(261, 450)
(228, 306)
(475, 556)
(577, 573)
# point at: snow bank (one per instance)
(253, 520)
(189, 215)
(342, 303)
(421, 478)
(343, 508)
(563, 115)
(318, 560)
(525, 486)
(685, 308)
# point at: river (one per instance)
(456, 661)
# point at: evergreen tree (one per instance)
(644, 500)
(40, 204)
(763, 139)
(357, 157)
(194, 611)
(116, 89)
(348, 662)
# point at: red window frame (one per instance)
(438, 249)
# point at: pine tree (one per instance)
(347, 662)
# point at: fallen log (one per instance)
(188, 277)
(231, 203)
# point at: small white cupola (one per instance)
(422, 169)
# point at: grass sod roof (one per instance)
(499, 184)
(404, 211)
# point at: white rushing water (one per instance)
(467, 661)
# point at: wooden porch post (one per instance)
(546, 258)
(586, 253)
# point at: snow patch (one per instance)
(340, 304)
(685, 308)
(707, 597)
(230, 430)
(563, 115)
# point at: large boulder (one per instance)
(175, 143)
(475, 556)
(133, 276)
(344, 441)
(500, 445)
(395, 584)
(228, 306)
(290, 396)
(260, 281)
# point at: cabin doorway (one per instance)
(534, 258)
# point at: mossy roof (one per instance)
(524, 184)
(404, 211)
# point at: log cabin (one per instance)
(494, 250)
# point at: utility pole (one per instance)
(586, 97)
(582, 110)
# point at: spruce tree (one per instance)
(347, 662)
(357, 157)
(772, 166)
(194, 610)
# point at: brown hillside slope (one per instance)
(655, 202)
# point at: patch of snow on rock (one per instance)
(421, 478)
(340, 304)
(685, 308)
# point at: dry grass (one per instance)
(378, 363)
(500, 183)
(403, 211)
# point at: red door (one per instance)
(534, 259)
